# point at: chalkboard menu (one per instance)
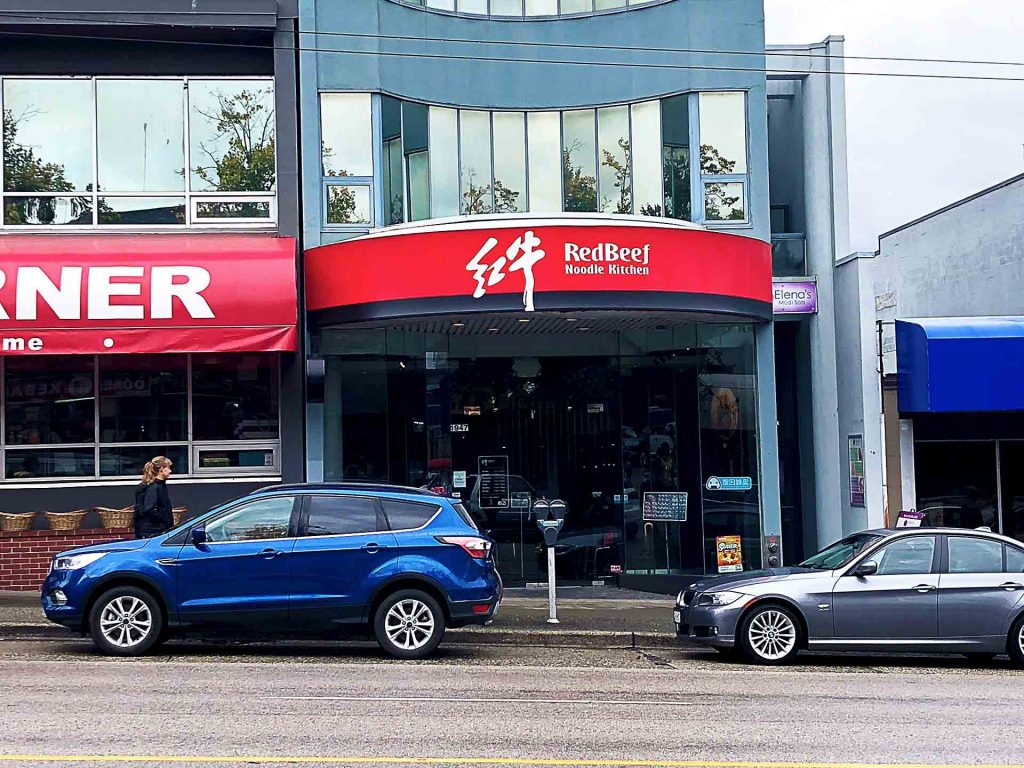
(665, 506)
(494, 486)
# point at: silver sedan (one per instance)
(939, 590)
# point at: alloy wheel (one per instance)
(772, 635)
(409, 624)
(126, 621)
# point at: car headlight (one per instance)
(719, 598)
(74, 562)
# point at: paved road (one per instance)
(512, 706)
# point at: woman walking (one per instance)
(153, 513)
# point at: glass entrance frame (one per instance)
(576, 408)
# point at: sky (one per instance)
(916, 145)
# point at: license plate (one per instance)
(677, 616)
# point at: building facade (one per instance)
(939, 306)
(148, 251)
(568, 287)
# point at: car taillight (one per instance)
(474, 545)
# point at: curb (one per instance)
(548, 638)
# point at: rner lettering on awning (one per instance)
(75, 294)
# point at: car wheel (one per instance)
(770, 635)
(1016, 644)
(126, 621)
(409, 624)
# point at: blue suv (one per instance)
(298, 559)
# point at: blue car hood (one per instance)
(110, 546)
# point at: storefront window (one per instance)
(55, 426)
(234, 397)
(956, 483)
(82, 152)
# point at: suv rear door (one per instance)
(343, 552)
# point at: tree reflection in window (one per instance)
(580, 188)
(723, 201)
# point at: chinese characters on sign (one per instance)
(730, 554)
(521, 256)
(856, 471)
(665, 507)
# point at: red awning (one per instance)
(132, 294)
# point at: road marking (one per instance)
(470, 761)
(460, 700)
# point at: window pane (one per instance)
(419, 186)
(906, 557)
(345, 133)
(616, 160)
(235, 397)
(675, 126)
(348, 205)
(406, 515)
(60, 462)
(129, 462)
(507, 7)
(333, 515)
(579, 160)
(541, 7)
(473, 6)
(724, 201)
(509, 162)
(444, 5)
(444, 162)
(956, 483)
(143, 210)
(46, 211)
(969, 555)
(394, 203)
(475, 153)
(604, 5)
(723, 133)
(264, 519)
(1014, 560)
(645, 146)
(241, 458)
(231, 126)
(577, 6)
(143, 400)
(47, 135)
(243, 209)
(545, 156)
(1011, 459)
(141, 128)
(50, 400)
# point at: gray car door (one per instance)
(899, 602)
(976, 595)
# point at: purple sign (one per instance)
(795, 298)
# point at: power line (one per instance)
(578, 46)
(516, 60)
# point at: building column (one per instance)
(768, 432)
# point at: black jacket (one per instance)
(153, 513)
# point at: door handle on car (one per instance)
(1010, 586)
(373, 548)
(923, 588)
(270, 554)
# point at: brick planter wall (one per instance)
(25, 556)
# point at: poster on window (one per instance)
(729, 550)
(856, 471)
(494, 484)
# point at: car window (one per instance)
(466, 517)
(839, 554)
(336, 515)
(262, 519)
(974, 555)
(1014, 560)
(906, 556)
(405, 515)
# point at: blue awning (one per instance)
(959, 364)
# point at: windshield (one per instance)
(842, 552)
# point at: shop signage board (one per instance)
(459, 478)
(152, 293)
(856, 471)
(665, 506)
(715, 483)
(909, 519)
(795, 298)
(533, 263)
(729, 552)
(494, 484)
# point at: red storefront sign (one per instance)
(535, 264)
(131, 294)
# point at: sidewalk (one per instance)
(594, 617)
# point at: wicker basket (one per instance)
(66, 521)
(16, 521)
(116, 518)
(179, 513)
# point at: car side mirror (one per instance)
(870, 568)
(199, 535)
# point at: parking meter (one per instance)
(550, 517)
